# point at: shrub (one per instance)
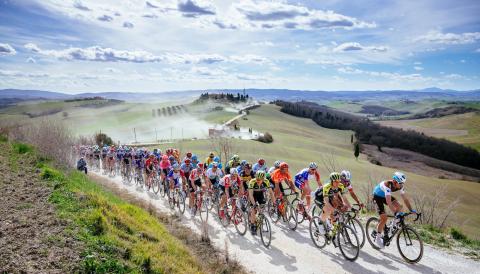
(102, 139)
(50, 174)
(21, 148)
(266, 138)
(457, 235)
(3, 138)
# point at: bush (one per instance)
(457, 235)
(50, 174)
(266, 138)
(3, 138)
(21, 148)
(102, 139)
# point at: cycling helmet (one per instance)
(313, 165)
(334, 176)
(233, 171)
(261, 161)
(283, 165)
(187, 161)
(244, 162)
(345, 174)
(200, 165)
(277, 164)
(216, 159)
(151, 155)
(260, 174)
(155, 150)
(164, 157)
(194, 157)
(171, 158)
(176, 166)
(211, 155)
(189, 154)
(236, 158)
(247, 165)
(399, 177)
(214, 164)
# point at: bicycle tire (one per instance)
(300, 215)
(240, 219)
(349, 238)
(407, 230)
(273, 211)
(371, 231)
(315, 233)
(155, 186)
(265, 231)
(358, 228)
(203, 212)
(291, 216)
(181, 202)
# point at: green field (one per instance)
(299, 141)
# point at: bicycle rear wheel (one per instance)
(265, 231)
(410, 245)
(273, 211)
(358, 229)
(204, 211)
(371, 231)
(156, 186)
(180, 202)
(348, 243)
(291, 217)
(172, 199)
(318, 232)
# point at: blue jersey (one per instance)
(385, 188)
(257, 167)
(186, 168)
(218, 164)
(302, 176)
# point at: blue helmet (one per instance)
(399, 177)
(194, 157)
(216, 159)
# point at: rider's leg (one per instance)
(307, 192)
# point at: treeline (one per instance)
(169, 111)
(84, 99)
(368, 132)
(224, 96)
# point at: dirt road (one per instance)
(295, 252)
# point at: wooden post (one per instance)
(135, 133)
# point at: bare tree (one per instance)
(222, 146)
(329, 161)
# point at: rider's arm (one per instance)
(250, 196)
(406, 200)
(354, 195)
(388, 197)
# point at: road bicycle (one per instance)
(233, 214)
(262, 224)
(409, 243)
(282, 208)
(200, 205)
(176, 197)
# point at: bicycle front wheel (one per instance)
(298, 210)
(348, 243)
(180, 202)
(241, 221)
(204, 211)
(265, 231)
(156, 186)
(410, 245)
(291, 217)
(272, 209)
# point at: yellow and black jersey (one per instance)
(328, 189)
(252, 184)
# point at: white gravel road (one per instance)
(294, 252)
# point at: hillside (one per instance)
(440, 112)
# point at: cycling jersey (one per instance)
(151, 163)
(228, 181)
(386, 188)
(214, 175)
(246, 176)
(165, 164)
(209, 160)
(272, 169)
(304, 176)
(218, 164)
(256, 167)
(347, 184)
(328, 190)
(175, 175)
(186, 168)
(252, 184)
(277, 176)
(195, 175)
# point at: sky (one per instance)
(165, 45)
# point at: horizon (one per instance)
(82, 46)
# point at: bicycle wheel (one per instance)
(371, 231)
(273, 211)
(241, 221)
(298, 211)
(316, 210)
(225, 221)
(410, 245)
(265, 231)
(164, 187)
(318, 232)
(181, 202)
(291, 217)
(155, 186)
(171, 199)
(358, 229)
(348, 243)
(204, 211)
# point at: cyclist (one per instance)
(233, 163)
(150, 166)
(275, 166)
(127, 160)
(209, 159)
(216, 159)
(256, 189)
(382, 195)
(186, 167)
(228, 182)
(246, 175)
(158, 153)
(333, 197)
(213, 175)
(303, 179)
(195, 161)
(345, 178)
(164, 165)
(281, 176)
(104, 156)
(96, 156)
(260, 165)
(174, 176)
(195, 177)
(111, 158)
(240, 167)
(172, 160)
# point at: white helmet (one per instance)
(345, 174)
(399, 177)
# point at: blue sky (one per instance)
(163, 45)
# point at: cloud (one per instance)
(354, 46)
(414, 77)
(263, 44)
(99, 54)
(21, 74)
(417, 68)
(128, 25)
(417, 63)
(78, 4)
(150, 5)
(105, 18)
(278, 15)
(195, 8)
(449, 38)
(477, 50)
(6, 49)
(31, 60)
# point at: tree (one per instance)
(356, 150)
(351, 139)
(102, 139)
